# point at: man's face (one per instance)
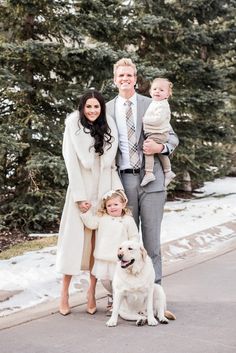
(125, 79)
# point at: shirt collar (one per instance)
(132, 99)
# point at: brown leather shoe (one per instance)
(169, 315)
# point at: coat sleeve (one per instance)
(133, 233)
(116, 182)
(172, 143)
(76, 183)
(115, 179)
(90, 221)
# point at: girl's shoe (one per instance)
(109, 305)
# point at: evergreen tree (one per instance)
(193, 44)
(45, 65)
(52, 50)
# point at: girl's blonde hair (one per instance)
(166, 80)
(111, 195)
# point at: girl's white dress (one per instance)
(104, 269)
(110, 233)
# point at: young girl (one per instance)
(114, 224)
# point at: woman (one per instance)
(89, 149)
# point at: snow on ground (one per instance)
(215, 204)
(33, 274)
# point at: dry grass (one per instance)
(26, 246)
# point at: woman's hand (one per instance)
(151, 147)
(84, 206)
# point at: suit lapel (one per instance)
(111, 108)
(140, 114)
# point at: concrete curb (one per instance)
(198, 247)
(47, 308)
(177, 255)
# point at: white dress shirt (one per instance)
(122, 127)
(120, 113)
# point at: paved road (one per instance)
(203, 297)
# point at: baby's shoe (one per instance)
(147, 179)
(169, 176)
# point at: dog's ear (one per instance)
(143, 252)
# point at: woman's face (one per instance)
(92, 109)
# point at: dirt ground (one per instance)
(10, 238)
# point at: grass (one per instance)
(32, 245)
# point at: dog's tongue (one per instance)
(123, 263)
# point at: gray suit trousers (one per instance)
(147, 207)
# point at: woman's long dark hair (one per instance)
(99, 129)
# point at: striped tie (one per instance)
(133, 147)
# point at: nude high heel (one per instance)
(91, 300)
(64, 308)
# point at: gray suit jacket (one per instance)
(142, 105)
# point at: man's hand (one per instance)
(151, 147)
(84, 206)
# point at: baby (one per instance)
(156, 125)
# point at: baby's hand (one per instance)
(84, 206)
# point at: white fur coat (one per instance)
(82, 172)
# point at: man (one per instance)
(147, 203)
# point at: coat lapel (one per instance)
(83, 144)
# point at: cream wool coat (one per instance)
(73, 253)
(110, 233)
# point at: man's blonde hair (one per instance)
(124, 62)
(166, 80)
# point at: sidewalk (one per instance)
(177, 255)
(202, 296)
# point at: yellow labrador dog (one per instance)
(135, 295)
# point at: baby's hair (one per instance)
(166, 80)
(111, 195)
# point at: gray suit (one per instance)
(147, 203)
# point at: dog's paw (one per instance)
(163, 320)
(111, 323)
(141, 321)
(152, 322)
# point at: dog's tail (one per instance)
(169, 315)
